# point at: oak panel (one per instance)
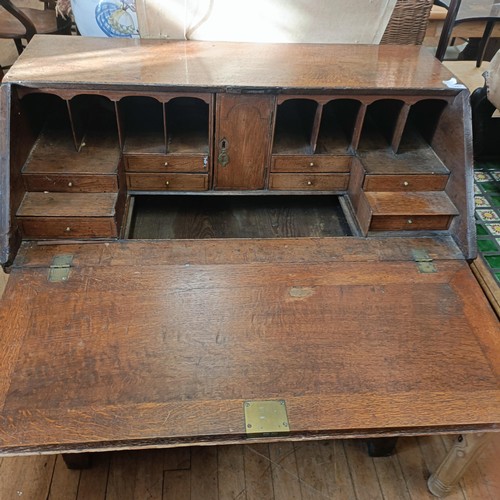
(68, 227)
(167, 182)
(71, 183)
(79, 62)
(405, 182)
(243, 141)
(166, 163)
(341, 372)
(309, 182)
(311, 163)
(67, 205)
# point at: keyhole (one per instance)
(223, 144)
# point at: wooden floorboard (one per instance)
(318, 470)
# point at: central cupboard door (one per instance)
(243, 141)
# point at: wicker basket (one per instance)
(408, 22)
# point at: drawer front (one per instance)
(167, 182)
(166, 163)
(68, 227)
(410, 223)
(311, 164)
(71, 183)
(405, 182)
(309, 182)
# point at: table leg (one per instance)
(77, 460)
(461, 455)
(381, 447)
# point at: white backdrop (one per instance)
(309, 21)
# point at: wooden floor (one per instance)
(284, 471)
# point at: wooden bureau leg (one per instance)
(381, 447)
(77, 460)
(461, 455)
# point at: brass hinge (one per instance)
(424, 261)
(60, 268)
(266, 418)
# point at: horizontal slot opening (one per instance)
(294, 127)
(202, 217)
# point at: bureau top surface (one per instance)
(83, 61)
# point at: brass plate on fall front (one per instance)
(265, 418)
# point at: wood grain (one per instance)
(68, 205)
(366, 367)
(243, 123)
(226, 65)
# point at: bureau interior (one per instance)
(94, 165)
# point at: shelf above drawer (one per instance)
(68, 205)
(167, 182)
(309, 182)
(68, 215)
(392, 211)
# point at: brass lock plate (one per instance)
(266, 418)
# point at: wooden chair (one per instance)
(23, 23)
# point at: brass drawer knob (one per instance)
(70, 184)
(167, 183)
(67, 230)
(166, 163)
(311, 164)
(309, 183)
(406, 183)
(410, 221)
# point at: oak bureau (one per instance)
(338, 301)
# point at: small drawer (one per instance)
(430, 182)
(166, 163)
(71, 183)
(324, 163)
(309, 182)
(167, 182)
(410, 223)
(68, 227)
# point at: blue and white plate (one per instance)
(112, 18)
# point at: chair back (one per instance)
(21, 17)
(408, 22)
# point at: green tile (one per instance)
(495, 200)
(497, 276)
(491, 187)
(493, 260)
(487, 246)
(481, 230)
